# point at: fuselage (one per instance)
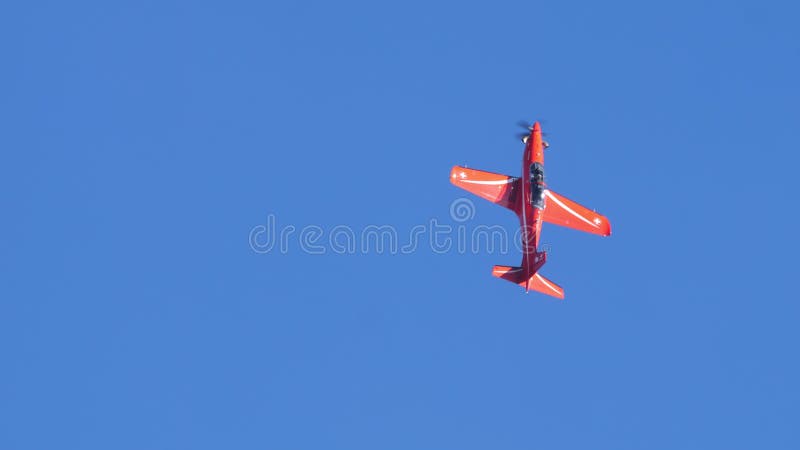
(532, 198)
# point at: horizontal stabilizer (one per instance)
(508, 273)
(541, 284)
(535, 282)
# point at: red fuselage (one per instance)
(530, 216)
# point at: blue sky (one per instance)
(143, 141)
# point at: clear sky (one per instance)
(143, 143)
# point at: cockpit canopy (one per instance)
(537, 172)
(537, 186)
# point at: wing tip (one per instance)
(606, 228)
(454, 173)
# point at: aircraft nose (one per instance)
(536, 126)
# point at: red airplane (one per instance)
(533, 203)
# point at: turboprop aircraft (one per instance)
(531, 200)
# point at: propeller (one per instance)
(525, 125)
(529, 127)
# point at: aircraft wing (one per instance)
(562, 211)
(499, 189)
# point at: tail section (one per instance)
(535, 282)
